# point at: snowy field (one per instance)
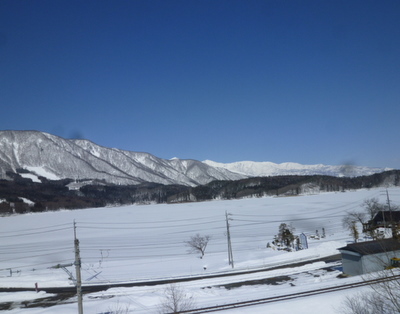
(146, 242)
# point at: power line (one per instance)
(32, 256)
(106, 227)
(39, 228)
(149, 221)
(12, 250)
(33, 233)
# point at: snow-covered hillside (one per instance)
(147, 242)
(253, 169)
(34, 154)
(54, 157)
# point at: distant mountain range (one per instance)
(38, 155)
(264, 169)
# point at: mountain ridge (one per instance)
(267, 168)
(38, 154)
(82, 159)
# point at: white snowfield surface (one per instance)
(146, 242)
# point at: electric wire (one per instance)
(39, 228)
(149, 221)
(34, 233)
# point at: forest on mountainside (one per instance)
(21, 195)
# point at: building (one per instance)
(366, 257)
(383, 219)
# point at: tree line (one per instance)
(53, 195)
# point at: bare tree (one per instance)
(383, 299)
(118, 309)
(350, 221)
(176, 300)
(388, 290)
(357, 216)
(198, 243)
(364, 303)
(372, 207)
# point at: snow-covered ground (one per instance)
(136, 243)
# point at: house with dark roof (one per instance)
(383, 219)
(366, 257)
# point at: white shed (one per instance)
(366, 257)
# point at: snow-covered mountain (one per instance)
(252, 169)
(34, 154)
(53, 157)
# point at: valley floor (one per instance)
(136, 243)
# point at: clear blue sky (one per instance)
(283, 80)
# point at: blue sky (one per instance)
(281, 81)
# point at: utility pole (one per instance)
(393, 225)
(388, 200)
(230, 254)
(78, 272)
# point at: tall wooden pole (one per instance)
(228, 235)
(78, 272)
(393, 224)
